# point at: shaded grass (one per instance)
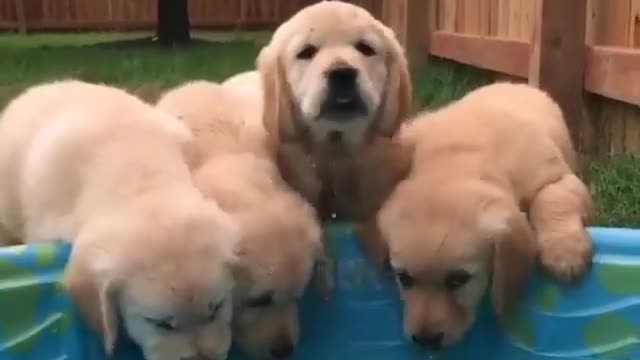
(147, 70)
(615, 183)
(444, 81)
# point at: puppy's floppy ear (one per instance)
(514, 257)
(277, 105)
(91, 281)
(398, 95)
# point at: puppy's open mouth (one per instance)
(342, 107)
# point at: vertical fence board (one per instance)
(20, 17)
(557, 61)
(613, 24)
(515, 14)
(634, 24)
(503, 18)
(494, 8)
(448, 11)
(592, 21)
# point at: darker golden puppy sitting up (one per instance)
(491, 190)
(336, 89)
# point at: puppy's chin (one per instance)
(451, 336)
(266, 333)
(340, 135)
(212, 340)
(211, 343)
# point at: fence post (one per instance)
(557, 62)
(417, 29)
(22, 20)
(418, 22)
(410, 19)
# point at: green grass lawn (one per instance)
(146, 70)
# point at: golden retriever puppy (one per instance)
(282, 239)
(336, 85)
(249, 80)
(98, 167)
(492, 187)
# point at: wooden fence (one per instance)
(564, 46)
(138, 14)
(36, 15)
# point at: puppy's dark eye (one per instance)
(164, 324)
(405, 280)
(307, 53)
(213, 310)
(456, 279)
(364, 48)
(260, 301)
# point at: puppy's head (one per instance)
(276, 260)
(167, 275)
(446, 246)
(337, 72)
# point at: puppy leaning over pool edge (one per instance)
(94, 165)
(282, 238)
(336, 89)
(492, 189)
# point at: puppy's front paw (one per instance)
(566, 256)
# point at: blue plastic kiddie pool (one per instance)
(596, 319)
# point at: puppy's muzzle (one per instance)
(197, 357)
(343, 100)
(283, 348)
(430, 341)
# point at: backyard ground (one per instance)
(146, 70)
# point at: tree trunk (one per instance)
(173, 26)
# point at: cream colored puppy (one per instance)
(248, 80)
(336, 84)
(282, 238)
(492, 187)
(94, 165)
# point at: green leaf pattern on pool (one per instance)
(19, 306)
(611, 334)
(548, 296)
(22, 291)
(619, 279)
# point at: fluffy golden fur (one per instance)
(336, 89)
(96, 166)
(282, 239)
(491, 189)
(249, 81)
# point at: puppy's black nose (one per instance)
(432, 341)
(343, 79)
(282, 350)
